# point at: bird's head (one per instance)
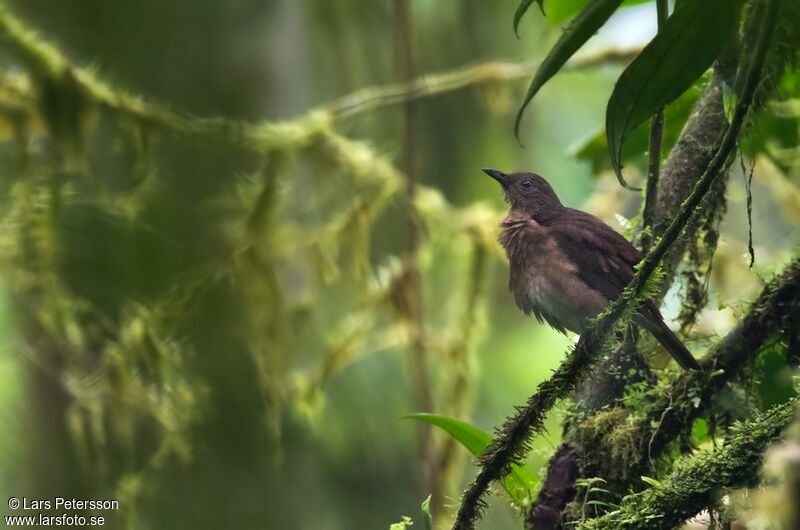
(526, 192)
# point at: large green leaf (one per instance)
(679, 54)
(594, 149)
(519, 483)
(579, 31)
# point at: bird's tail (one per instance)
(656, 325)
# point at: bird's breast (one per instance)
(545, 282)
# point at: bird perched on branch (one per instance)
(566, 265)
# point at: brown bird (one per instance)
(566, 265)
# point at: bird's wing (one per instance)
(603, 259)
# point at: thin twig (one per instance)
(436, 84)
(748, 184)
(656, 138)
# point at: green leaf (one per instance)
(651, 481)
(520, 12)
(579, 31)
(426, 513)
(519, 483)
(472, 438)
(676, 57)
(729, 100)
(595, 148)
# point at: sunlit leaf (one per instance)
(426, 513)
(579, 31)
(729, 100)
(676, 57)
(519, 483)
(651, 481)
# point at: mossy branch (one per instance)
(50, 65)
(696, 481)
(511, 441)
(775, 309)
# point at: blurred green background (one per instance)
(215, 334)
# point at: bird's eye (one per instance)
(526, 184)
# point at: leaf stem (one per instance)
(656, 139)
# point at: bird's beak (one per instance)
(499, 176)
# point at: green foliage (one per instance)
(579, 31)
(668, 66)
(594, 149)
(591, 492)
(676, 57)
(520, 483)
(650, 481)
